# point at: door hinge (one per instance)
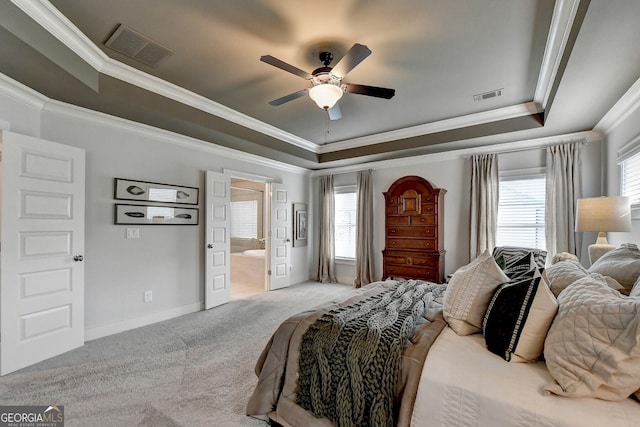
(268, 272)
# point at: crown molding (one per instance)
(47, 16)
(50, 18)
(505, 147)
(166, 136)
(629, 103)
(564, 14)
(439, 126)
(21, 93)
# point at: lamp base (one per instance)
(599, 248)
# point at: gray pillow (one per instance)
(622, 263)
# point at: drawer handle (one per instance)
(393, 230)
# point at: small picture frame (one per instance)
(300, 224)
(155, 215)
(143, 191)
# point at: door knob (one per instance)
(78, 258)
(210, 246)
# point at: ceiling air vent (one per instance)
(137, 46)
(488, 95)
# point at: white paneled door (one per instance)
(41, 263)
(217, 241)
(280, 238)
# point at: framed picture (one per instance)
(126, 189)
(155, 215)
(300, 225)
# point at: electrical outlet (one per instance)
(133, 233)
(148, 296)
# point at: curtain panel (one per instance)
(563, 191)
(326, 249)
(364, 230)
(484, 203)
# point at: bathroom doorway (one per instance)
(248, 238)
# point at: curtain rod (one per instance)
(516, 150)
(344, 173)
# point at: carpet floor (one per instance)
(194, 370)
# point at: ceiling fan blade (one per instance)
(290, 97)
(284, 66)
(335, 113)
(378, 92)
(356, 55)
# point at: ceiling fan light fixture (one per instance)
(325, 95)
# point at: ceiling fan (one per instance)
(327, 85)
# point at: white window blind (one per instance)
(244, 219)
(630, 179)
(345, 221)
(521, 212)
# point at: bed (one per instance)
(454, 371)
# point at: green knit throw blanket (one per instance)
(350, 357)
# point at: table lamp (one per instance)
(603, 214)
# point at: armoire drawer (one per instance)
(410, 243)
(417, 231)
(410, 272)
(412, 259)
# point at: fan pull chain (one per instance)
(326, 134)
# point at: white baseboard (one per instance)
(125, 325)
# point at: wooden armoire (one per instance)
(414, 219)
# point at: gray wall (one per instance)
(168, 260)
(453, 173)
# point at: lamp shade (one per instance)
(325, 95)
(604, 214)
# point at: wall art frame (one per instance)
(300, 224)
(146, 191)
(154, 215)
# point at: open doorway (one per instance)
(248, 238)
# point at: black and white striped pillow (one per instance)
(516, 267)
(511, 253)
(519, 317)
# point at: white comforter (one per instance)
(463, 384)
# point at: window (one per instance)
(630, 179)
(244, 219)
(521, 211)
(345, 221)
